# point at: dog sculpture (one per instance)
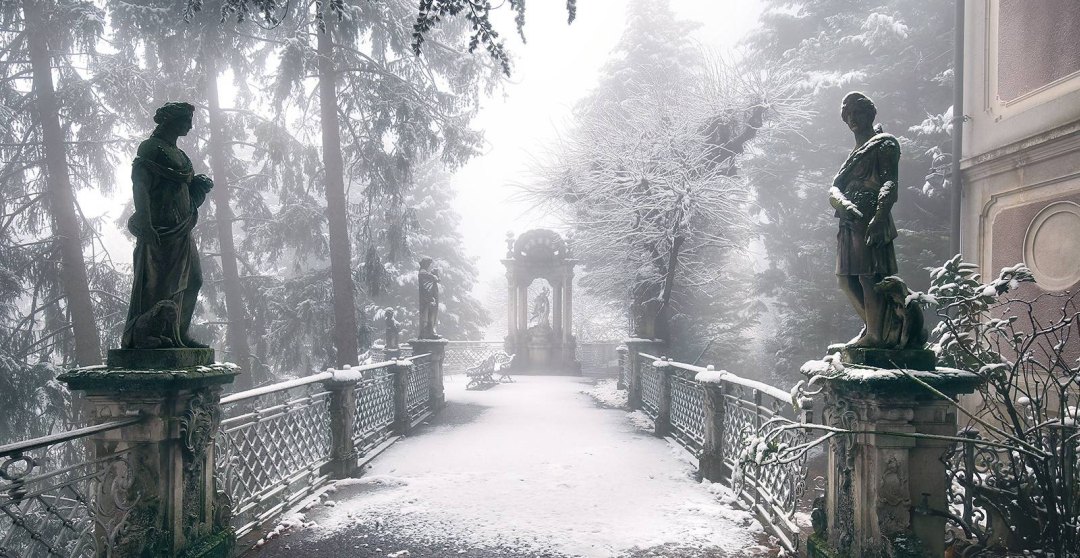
(904, 325)
(157, 329)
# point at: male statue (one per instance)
(428, 281)
(863, 194)
(167, 196)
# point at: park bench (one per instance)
(482, 375)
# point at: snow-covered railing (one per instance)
(52, 489)
(279, 444)
(598, 358)
(463, 354)
(720, 418)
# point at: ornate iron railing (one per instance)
(276, 443)
(687, 408)
(374, 420)
(460, 355)
(57, 499)
(625, 369)
(418, 387)
(598, 358)
(677, 396)
(271, 448)
(650, 386)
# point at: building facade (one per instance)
(1021, 152)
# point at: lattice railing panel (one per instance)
(624, 370)
(374, 409)
(270, 451)
(460, 355)
(598, 358)
(740, 423)
(56, 496)
(418, 387)
(650, 387)
(688, 411)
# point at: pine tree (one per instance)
(54, 135)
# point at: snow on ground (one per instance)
(607, 393)
(538, 467)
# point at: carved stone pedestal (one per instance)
(437, 349)
(635, 347)
(175, 509)
(878, 475)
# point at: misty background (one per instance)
(441, 154)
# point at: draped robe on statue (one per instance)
(167, 197)
(860, 179)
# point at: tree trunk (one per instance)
(345, 332)
(236, 332)
(65, 219)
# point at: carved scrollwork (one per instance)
(198, 424)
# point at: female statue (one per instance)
(167, 196)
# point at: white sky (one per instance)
(556, 68)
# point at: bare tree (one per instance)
(650, 181)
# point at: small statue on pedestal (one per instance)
(167, 196)
(392, 329)
(509, 245)
(428, 282)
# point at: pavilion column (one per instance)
(568, 307)
(557, 310)
(523, 308)
(511, 307)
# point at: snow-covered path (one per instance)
(526, 469)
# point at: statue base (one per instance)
(159, 359)
(908, 359)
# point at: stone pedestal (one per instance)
(175, 506)
(437, 349)
(879, 474)
(635, 347)
(711, 463)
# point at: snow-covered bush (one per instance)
(1024, 344)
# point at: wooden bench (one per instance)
(482, 375)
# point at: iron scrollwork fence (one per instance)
(677, 395)
(58, 499)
